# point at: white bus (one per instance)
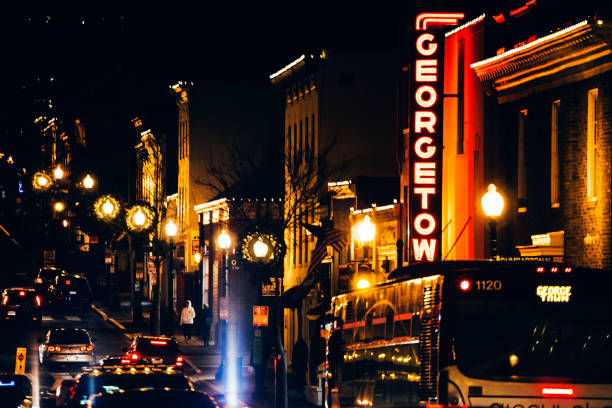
(476, 333)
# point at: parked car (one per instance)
(70, 290)
(108, 380)
(66, 346)
(153, 398)
(22, 305)
(156, 350)
(45, 278)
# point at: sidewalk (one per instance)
(203, 362)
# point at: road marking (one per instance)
(196, 369)
(46, 318)
(116, 323)
(73, 318)
(104, 315)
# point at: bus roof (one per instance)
(422, 269)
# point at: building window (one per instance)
(592, 145)
(521, 159)
(554, 154)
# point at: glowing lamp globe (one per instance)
(363, 283)
(197, 257)
(58, 173)
(260, 248)
(492, 202)
(88, 182)
(139, 218)
(366, 230)
(171, 229)
(41, 181)
(108, 207)
(59, 206)
(224, 240)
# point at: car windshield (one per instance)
(154, 347)
(89, 385)
(69, 337)
(156, 399)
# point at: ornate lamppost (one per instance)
(492, 204)
(171, 230)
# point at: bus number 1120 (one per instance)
(488, 285)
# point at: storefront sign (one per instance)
(426, 117)
(260, 316)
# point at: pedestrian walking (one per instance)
(187, 316)
(206, 321)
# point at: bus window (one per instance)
(402, 325)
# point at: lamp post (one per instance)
(171, 231)
(492, 204)
(224, 241)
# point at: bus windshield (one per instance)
(515, 337)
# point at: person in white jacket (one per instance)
(187, 316)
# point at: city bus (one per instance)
(475, 333)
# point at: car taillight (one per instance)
(55, 348)
(38, 300)
(465, 285)
(89, 348)
(134, 356)
(125, 361)
(39, 280)
(557, 391)
(22, 293)
(83, 348)
(67, 283)
(4, 300)
(159, 342)
(179, 361)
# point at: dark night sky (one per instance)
(119, 64)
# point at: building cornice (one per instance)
(574, 53)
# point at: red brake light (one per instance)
(159, 342)
(125, 361)
(179, 361)
(4, 300)
(56, 348)
(568, 270)
(540, 269)
(22, 293)
(51, 348)
(39, 280)
(83, 348)
(554, 269)
(134, 356)
(67, 283)
(557, 391)
(465, 285)
(38, 301)
(89, 348)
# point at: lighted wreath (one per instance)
(261, 248)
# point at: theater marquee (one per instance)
(426, 113)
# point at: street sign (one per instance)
(49, 257)
(20, 360)
(139, 270)
(268, 288)
(260, 316)
(224, 308)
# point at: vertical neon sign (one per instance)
(426, 117)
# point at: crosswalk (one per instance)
(48, 318)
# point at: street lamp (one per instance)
(139, 218)
(106, 207)
(260, 248)
(171, 230)
(59, 206)
(492, 204)
(363, 283)
(58, 173)
(88, 182)
(41, 181)
(224, 241)
(366, 230)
